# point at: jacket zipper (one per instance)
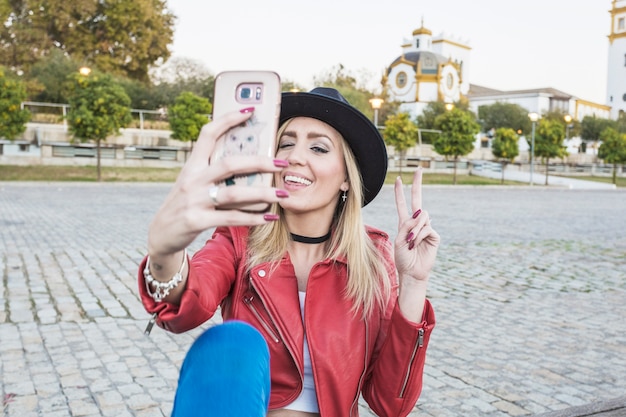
(356, 399)
(274, 334)
(419, 344)
(150, 324)
(247, 299)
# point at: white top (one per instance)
(307, 400)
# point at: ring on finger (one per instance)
(213, 194)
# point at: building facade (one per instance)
(429, 69)
(616, 76)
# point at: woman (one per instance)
(340, 313)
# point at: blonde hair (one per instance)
(368, 283)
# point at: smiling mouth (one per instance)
(298, 180)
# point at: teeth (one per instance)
(292, 178)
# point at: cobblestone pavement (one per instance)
(529, 292)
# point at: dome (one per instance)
(429, 61)
(422, 31)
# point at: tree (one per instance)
(352, 88)
(613, 149)
(13, 118)
(591, 127)
(401, 133)
(505, 147)
(188, 115)
(506, 115)
(98, 108)
(549, 141)
(458, 130)
(183, 74)
(427, 121)
(123, 37)
(52, 74)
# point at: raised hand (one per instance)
(417, 242)
(195, 203)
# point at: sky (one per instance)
(515, 45)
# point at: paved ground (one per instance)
(529, 291)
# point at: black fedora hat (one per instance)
(329, 106)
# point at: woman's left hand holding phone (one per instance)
(193, 204)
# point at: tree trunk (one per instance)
(98, 157)
(454, 175)
(615, 173)
(502, 169)
(547, 163)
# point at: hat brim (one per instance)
(362, 136)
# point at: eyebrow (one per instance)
(310, 135)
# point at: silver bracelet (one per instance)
(160, 290)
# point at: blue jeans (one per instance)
(225, 373)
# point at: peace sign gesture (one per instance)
(417, 242)
(415, 249)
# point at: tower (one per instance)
(616, 77)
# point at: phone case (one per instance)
(235, 90)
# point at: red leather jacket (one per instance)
(381, 357)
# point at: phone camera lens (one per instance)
(245, 93)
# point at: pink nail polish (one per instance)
(271, 217)
(247, 110)
(281, 163)
(411, 244)
(409, 237)
(417, 213)
(282, 193)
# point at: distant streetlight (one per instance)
(376, 103)
(533, 118)
(84, 71)
(568, 120)
(449, 106)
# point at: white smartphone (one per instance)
(235, 90)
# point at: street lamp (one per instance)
(449, 106)
(85, 71)
(568, 120)
(376, 103)
(533, 118)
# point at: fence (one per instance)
(55, 113)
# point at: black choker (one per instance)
(311, 240)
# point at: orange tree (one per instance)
(98, 108)
(613, 149)
(504, 146)
(458, 130)
(12, 117)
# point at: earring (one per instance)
(344, 196)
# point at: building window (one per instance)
(24, 147)
(624, 97)
(621, 24)
(401, 79)
(417, 43)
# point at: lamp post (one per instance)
(533, 118)
(568, 120)
(376, 103)
(449, 106)
(84, 71)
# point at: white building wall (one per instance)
(616, 72)
(409, 91)
(459, 52)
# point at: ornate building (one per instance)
(429, 69)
